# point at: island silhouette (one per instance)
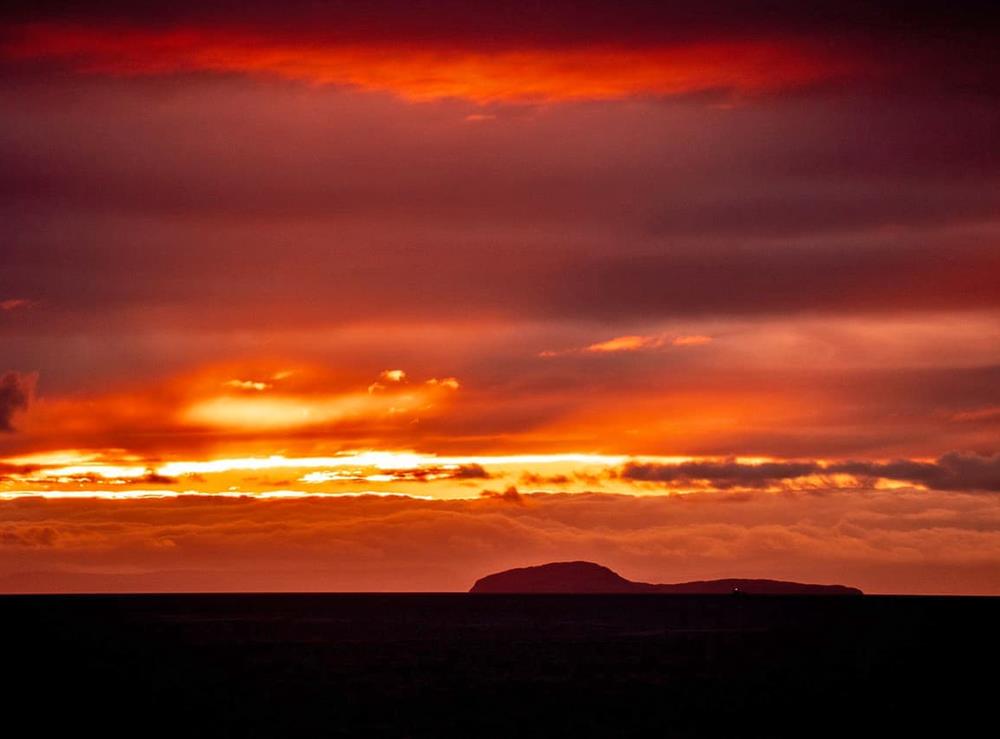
(590, 577)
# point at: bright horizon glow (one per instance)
(449, 477)
(156, 494)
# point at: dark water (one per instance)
(460, 665)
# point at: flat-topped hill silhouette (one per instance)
(590, 577)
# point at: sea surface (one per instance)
(441, 665)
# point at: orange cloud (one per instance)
(634, 343)
(595, 72)
(390, 376)
(624, 344)
(694, 340)
(247, 409)
(447, 382)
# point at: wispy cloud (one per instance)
(633, 343)
(15, 393)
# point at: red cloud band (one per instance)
(602, 71)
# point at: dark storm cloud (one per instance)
(431, 473)
(15, 392)
(723, 475)
(510, 495)
(958, 471)
(153, 478)
(469, 472)
(953, 471)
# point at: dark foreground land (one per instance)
(500, 665)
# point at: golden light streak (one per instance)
(290, 412)
(158, 494)
(385, 460)
(447, 477)
(382, 460)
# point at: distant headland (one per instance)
(590, 577)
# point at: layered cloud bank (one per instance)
(881, 541)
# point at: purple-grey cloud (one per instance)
(953, 471)
(15, 393)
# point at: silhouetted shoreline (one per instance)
(590, 577)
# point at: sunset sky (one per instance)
(390, 295)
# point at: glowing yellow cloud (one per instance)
(248, 385)
(625, 344)
(288, 411)
(275, 412)
(395, 375)
(634, 343)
